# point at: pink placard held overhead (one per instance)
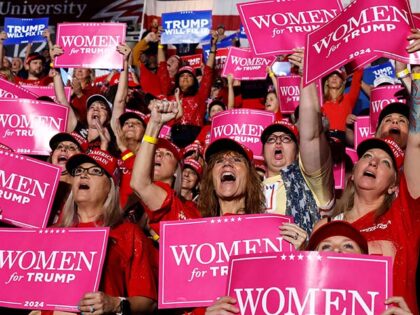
(11, 90)
(27, 189)
(28, 125)
(50, 269)
(244, 65)
(90, 45)
(361, 130)
(361, 32)
(289, 93)
(339, 172)
(242, 125)
(310, 283)
(47, 91)
(194, 254)
(277, 27)
(381, 97)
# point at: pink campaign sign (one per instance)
(194, 254)
(50, 269)
(27, 189)
(242, 125)
(276, 27)
(289, 93)
(361, 32)
(47, 91)
(28, 125)
(310, 283)
(381, 97)
(352, 153)
(361, 130)
(11, 90)
(90, 45)
(244, 65)
(339, 172)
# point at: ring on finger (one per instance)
(92, 309)
(296, 236)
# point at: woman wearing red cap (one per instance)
(191, 175)
(127, 283)
(383, 203)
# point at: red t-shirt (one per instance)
(397, 234)
(127, 270)
(172, 209)
(126, 168)
(44, 81)
(337, 112)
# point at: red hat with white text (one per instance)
(388, 145)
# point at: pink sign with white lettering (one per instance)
(50, 269)
(47, 91)
(289, 93)
(381, 97)
(310, 283)
(276, 27)
(361, 130)
(194, 254)
(27, 189)
(242, 125)
(11, 90)
(90, 45)
(28, 125)
(361, 32)
(244, 65)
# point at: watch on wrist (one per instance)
(124, 306)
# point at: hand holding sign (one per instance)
(223, 305)
(415, 45)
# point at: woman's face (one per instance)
(339, 244)
(374, 172)
(230, 175)
(334, 81)
(215, 109)
(186, 80)
(82, 73)
(133, 129)
(271, 103)
(189, 178)
(64, 151)
(16, 64)
(92, 186)
(279, 151)
(165, 165)
(6, 63)
(395, 126)
(97, 111)
(173, 66)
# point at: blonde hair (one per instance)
(111, 214)
(326, 90)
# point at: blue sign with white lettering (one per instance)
(24, 30)
(185, 27)
(226, 42)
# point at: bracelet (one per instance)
(150, 139)
(271, 74)
(415, 76)
(127, 156)
(403, 74)
(51, 65)
(161, 46)
(155, 237)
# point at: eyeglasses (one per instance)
(70, 148)
(284, 138)
(93, 170)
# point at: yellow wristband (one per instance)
(403, 73)
(415, 76)
(150, 139)
(128, 155)
(161, 46)
(271, 74)
(155, 237)
(51, 65)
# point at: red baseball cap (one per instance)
(65, 136)
(226, 144)
(169, 145)
(99, 157)
(280, 125)
(388, 145)
(194, 165)
(337, 228)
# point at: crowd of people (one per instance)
(120, 171)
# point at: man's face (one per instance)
(36, 67)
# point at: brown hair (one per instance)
(208, 203)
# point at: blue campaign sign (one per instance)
(226, 42)
(187, 27)
(384, 69)
(24, 30)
